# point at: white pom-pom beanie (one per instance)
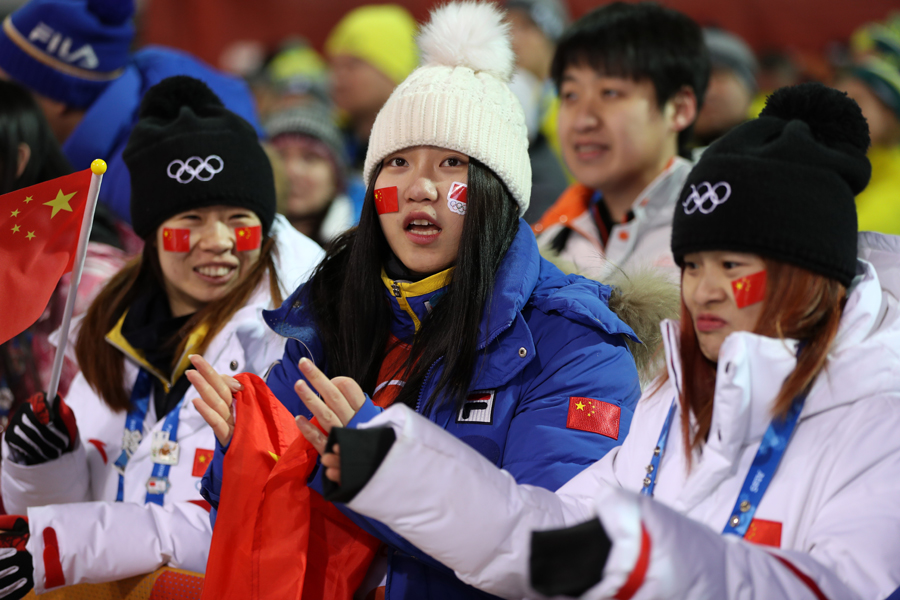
(459, 98)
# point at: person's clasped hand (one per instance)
(16, 565)
(216, 401)
(39, 433)
(338, 401)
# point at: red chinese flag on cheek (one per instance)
(176, 240)
(248, 238)
(750, 289)
(386, 200)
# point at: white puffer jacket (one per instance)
(103, 540)
(834, 497)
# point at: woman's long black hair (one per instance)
(21, 121)
(352, 312)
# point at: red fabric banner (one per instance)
(274, 537)
(39, 228)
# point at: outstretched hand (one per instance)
(215, 404)
(340, 399)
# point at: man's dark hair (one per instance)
(639, 41)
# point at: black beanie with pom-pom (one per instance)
(783, 185)
(188, 151)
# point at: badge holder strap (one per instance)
(134, 426)
(158, 484)
(653, 467)
(765, 463)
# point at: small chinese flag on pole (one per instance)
(39, 231)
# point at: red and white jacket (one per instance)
(829, 520)
(79, 533)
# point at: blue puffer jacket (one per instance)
(104, 130)
(550, 338)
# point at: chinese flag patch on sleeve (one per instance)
(202, 458)
(596, 416)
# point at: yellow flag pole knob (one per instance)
(98, 167)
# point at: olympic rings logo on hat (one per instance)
(708, 200)
(203, 169)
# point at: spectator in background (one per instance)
(295, 75)
(29, 154)
(370, 51)
(311, 148)
(732, 86)
(535, 26)
(74, 55)
(874, 82)
(631, 78)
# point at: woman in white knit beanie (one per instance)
(440, 300)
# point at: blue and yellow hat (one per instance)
(67, 50)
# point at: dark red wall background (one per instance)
(206, 27)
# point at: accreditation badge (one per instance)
(162, 450)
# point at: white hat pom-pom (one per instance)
(468, 34)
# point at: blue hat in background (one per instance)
(67, 50)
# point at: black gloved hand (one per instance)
(16, 566)
(362, 451)
(37, 434)
(570, 561)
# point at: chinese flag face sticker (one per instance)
(750, 289)
(457, 198)
(176, 240)
(596, 416)
(386, 200)
(248, 238)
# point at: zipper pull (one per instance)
(395, 289)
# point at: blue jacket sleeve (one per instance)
(285, 373)
(547, 445)
(211, 484)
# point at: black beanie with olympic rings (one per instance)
(188, 151)
(782, 186)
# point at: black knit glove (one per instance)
(16, 566)
(570, 561)
(362, 451)
(37, 434)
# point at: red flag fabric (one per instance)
(176, 240)
(750, 289)
(596, 416)
(386, 200)
(274, 537)
(248, 238)
(39, 228)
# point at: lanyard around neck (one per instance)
(765, 463)
(158, 484)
